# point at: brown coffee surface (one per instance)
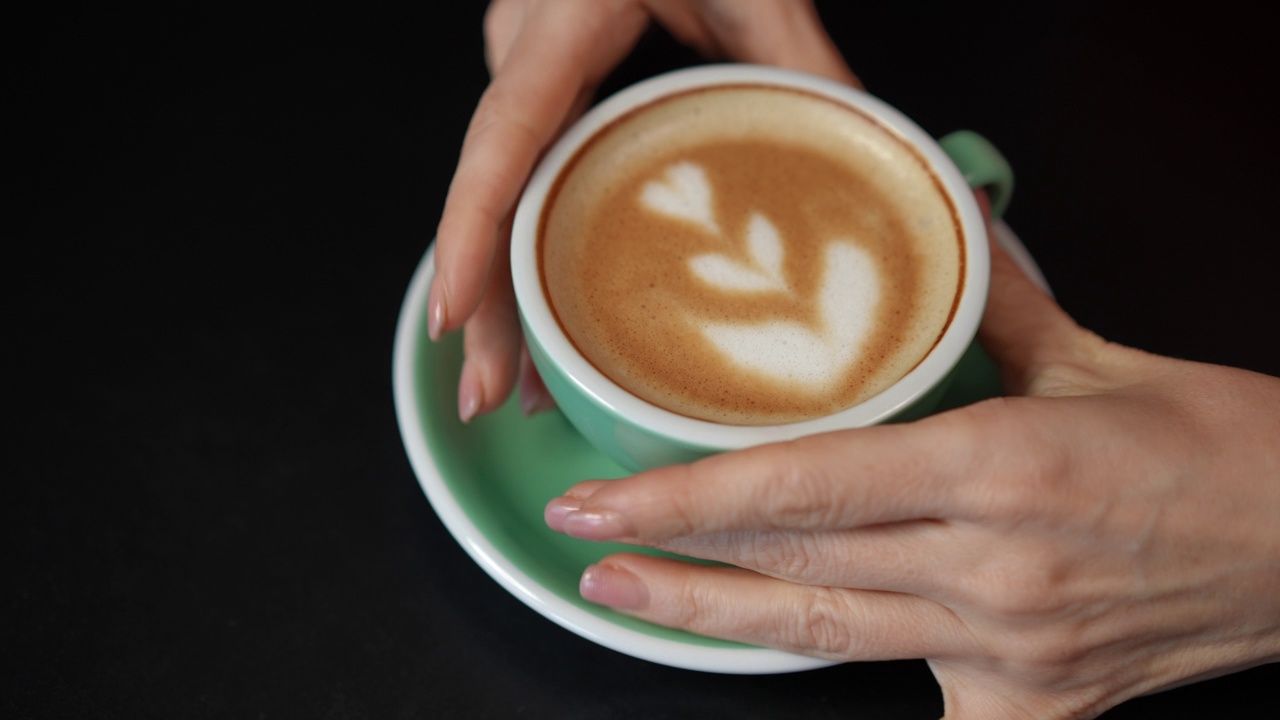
(750, 255)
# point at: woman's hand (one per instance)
(546, 58)
(1109, 533)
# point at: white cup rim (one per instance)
(540, 321)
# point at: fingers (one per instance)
(918, 557)
(502, 22)
(491, 348)
(835, 481)
(560, 49)
(740, 605)
(545, 59)
(923, 557)
(784, 33)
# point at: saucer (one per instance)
(490, 480)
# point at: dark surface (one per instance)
(207, 511)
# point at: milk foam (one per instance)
(684, 193)
(763, 270)
(814, 357)
(780, 351)
(751, 291)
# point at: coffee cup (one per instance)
(733, 255)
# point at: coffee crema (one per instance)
(750, 255)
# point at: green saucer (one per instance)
(490, 480)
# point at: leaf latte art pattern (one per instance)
(812, 356)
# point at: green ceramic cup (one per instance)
(639, 435)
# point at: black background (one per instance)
(207, 511)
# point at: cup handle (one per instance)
(982, 166)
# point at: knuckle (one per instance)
(699, 607)
(1019, 588)
(1015, 602)
(793, 496)
(820, 625)
(787, 556)
(1020, 468)
(683, 509)
(1049, 659)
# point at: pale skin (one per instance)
(1107, 530)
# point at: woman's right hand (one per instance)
(546, 58)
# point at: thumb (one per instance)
(1024, 330)
(972, 694)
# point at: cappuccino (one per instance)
(750, 255)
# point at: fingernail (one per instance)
(613, 587)
(528, 399)
(435, 309)
(558, 509)
(470, 394)
(599, 525)
(534, 399)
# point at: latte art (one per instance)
(777, 350)
(750, 255)
(816, 356)
(683, 193)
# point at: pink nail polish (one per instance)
(613, 587)
(599, 526)
(528, 400)
(558, 509)
(435, 310)
(469, 396)
(545, 402)
(538, 402)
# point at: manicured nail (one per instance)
(613, 587)
(599, 526)
(435, 309)
(528, 399)
(558, 509)
(470, 394)
(535, 399)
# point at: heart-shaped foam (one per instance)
(813, 358)
(787, 351)
(763, 274)
(684, 193)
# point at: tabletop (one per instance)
(207, 509)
